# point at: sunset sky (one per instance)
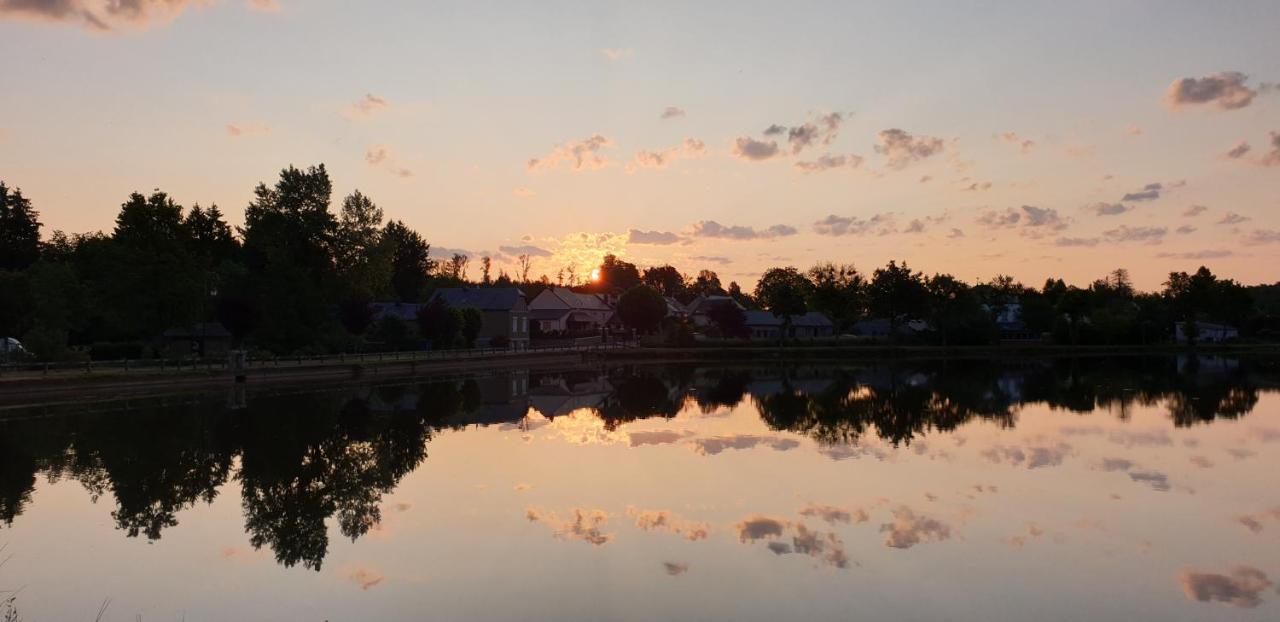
(1029, 138)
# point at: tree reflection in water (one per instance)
(305, 458)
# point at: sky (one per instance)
(1033, 139)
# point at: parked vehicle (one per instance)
(11, 349)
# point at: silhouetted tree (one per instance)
(642, 308)
(19, 230)
(782, 291)
(896, 293)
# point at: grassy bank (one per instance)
(723, 352)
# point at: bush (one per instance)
(501, 341)
(115, 351)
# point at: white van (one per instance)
(10, 349)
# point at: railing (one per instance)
(153, 366)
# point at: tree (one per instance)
(642, 308)
(782, 291)
(837, 292)
(154, 281)
(524, 262)
(707, 283)
(666, 279)
(411, 262)
(19, 230)
(456, 267)
(363, 261)
(956, 311)
(895, 292)
(440, 324)
(617, 275)
(472, 320)
(288, 247)
(729, 319)
(486, 267)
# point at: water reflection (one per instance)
(305, 460)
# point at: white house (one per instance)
(559, 309)
(1206, 332)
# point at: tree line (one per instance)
(300, 277)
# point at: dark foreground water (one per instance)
(1088, 489)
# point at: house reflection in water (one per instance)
(560, 394)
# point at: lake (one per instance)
(1136, 488)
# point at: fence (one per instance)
(154, 366)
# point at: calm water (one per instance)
(1136, 489)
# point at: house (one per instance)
(404, 311)
(203, 340)
(503, 310)
(559, 309)
(879, 328)
(675, 309)
(699, 309)
(812, 325)
(1206, 332)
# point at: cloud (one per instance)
(1194, 210)
(1232, 218)
(532, 251)
(617, 53)
(1257, 522)
(265, 6)
(236, 130)
(657, 238)
(824, 546)
(1197, 255)
(902, 148)
(1227, 90)
(582, 524)
(656, 437)
(749, 148)
(663, 520)
(833, 225)
(380, 155)
(909, 529)
(713, 229)
(1024, 145)
(711, 259)
(1262, 236)
(366, 107)
(1032, 457)
(578, 155)
(671, 112)
(826, 162)
(524, 193)
(1032, 221)
(1140, 438)
(833, 514)
(1146, 235)
(716, 444)
(757, 527)
(1032, 531)
(1238, 151)
(690, 148)
(1108, 209)
(1242, 588)
(675, 569)
(99, 15)
(1074, 242)
(1150, 192)
(1273, 157)
(820, 130)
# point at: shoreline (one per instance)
(25, 392)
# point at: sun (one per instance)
(595, 274)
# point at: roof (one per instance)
(702, 303)
(407, 311)
(765, 318)
(203, 329)
(482, 298)
(575, 300)
(548, 314)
